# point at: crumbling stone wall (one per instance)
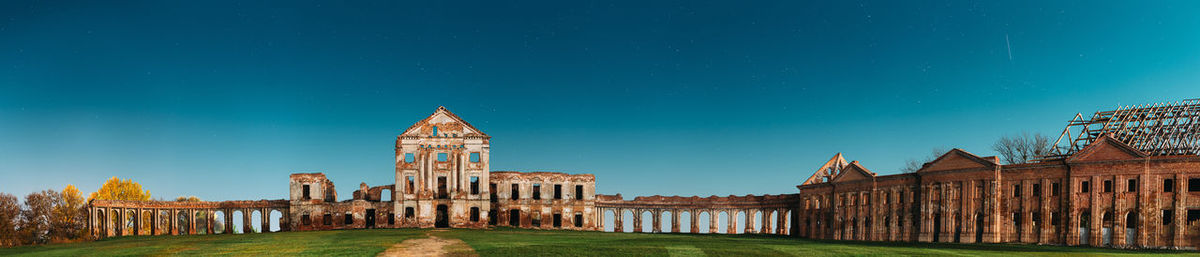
(573, 203)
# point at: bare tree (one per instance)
(1021, 148)
(912, 165)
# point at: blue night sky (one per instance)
(223, 100)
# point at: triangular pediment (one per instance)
(853, 172)
(446, 124)
(827, 171)
(1107, 148)
(957, 159)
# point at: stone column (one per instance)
(618, 217)
(695, 222)
(247, 225)
(732, 225)
(656, 221)
(191, 221)
(712, 221)
(265, 222)
(637, 221)
(675, 220)
(172, 227)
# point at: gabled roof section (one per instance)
(827, 171)
(443, 115)
(854, 172)
(957, 159)
(1107, 148)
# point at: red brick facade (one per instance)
(1107, 194)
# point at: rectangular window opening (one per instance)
(474, 185)
(1108, 187)
(327, 219)
(578, 192)
(1132, 185)
(1085, 186)
(408, 212)
(442, 157)
(305, 219)
(1168, 216)
(1192, 216)
(307, 195)
(409, 158)
(492, 191)
(1168, 185)
(1194, 185)
(1037, 190)
(1017, 190)
(557, 220)
(579, 220)
(408, 188)
(516, 192)
(1055, 188)
(557, 192)
(349, 219)
(537, 191)
(474, 157)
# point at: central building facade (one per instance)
(443, 179)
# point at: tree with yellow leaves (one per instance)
(117, 189)
(69, 215)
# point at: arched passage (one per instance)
(647, 221)
(147, 222)
(201, 222)
(131, 223)
(685, 222)
(704, 219)
(665, 219)
(238, 221)
(256, 221)
(102, 226)
(772, 221)
(164, 222)
(219, 222)
(610, 221)
(276, 220)
(759, 222)
(182, 223)
(1131, 228)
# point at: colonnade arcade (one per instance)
(113, 217)
(774, 211)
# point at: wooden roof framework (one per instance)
(1169, 128)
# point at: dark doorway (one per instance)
(558, 220)
(443, 215)
(514, 218)
(937, 226)
(442, 194)
(370, 218)
(979, 228)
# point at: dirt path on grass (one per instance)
(431, 246)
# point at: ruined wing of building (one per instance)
(1126, 180)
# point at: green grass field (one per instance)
(517, 242)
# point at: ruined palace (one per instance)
(1121, 178)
